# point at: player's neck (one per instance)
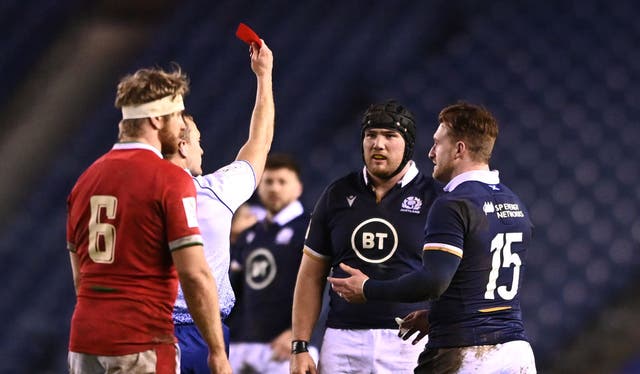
(145, 138)
(382, 186)
(177, 160)
(469, 166)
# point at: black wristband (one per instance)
(299, 346)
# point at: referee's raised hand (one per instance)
(261, 59)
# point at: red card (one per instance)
(247, 35)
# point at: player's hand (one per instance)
(302, 363)
(416, 321)
(261, 59)
(219, 363)
(281, 346)
(351, 288)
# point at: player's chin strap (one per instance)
(404, 162)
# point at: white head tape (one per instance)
(156, 108)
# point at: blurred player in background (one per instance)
(243, 218)
(475, 246)
(269, 260)
(132, 231)
(371, 219)
(218, 196)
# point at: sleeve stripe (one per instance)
(186, 241)
(214, 194)
(313, 254)
(498, 308)
(443, 247)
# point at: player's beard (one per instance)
(168, 141)
(273, 204)
(442, 171)
(380, 172)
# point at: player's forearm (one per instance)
(428, 283)
(305, 312)
(263, 116)
(200, 293)
(307, 299)
(261, 128)
(409, 288)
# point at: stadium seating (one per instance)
(562, 78)
(29, 27)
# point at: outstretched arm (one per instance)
(427, 283)
(258, 144)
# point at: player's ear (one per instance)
(182, 148)
(156, 122)
(461, 147)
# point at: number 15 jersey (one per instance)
(488, 227)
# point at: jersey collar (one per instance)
(136, 145)
(483, 176)
(408, 177)
(287, 214)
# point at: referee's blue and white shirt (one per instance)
(218, 196)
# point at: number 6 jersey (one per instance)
(125, 214)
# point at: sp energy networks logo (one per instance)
(374, 240)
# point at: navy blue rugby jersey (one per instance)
(383, 240)
(489, 228)
(270, 256)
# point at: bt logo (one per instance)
(374, 240)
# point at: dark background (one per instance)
(561, 77)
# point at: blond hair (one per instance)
(146, 85)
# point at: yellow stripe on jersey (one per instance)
(488, 310)
(314, 255)
(443, 247)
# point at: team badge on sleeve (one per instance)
(189, 204)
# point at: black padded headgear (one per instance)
(392, 115)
